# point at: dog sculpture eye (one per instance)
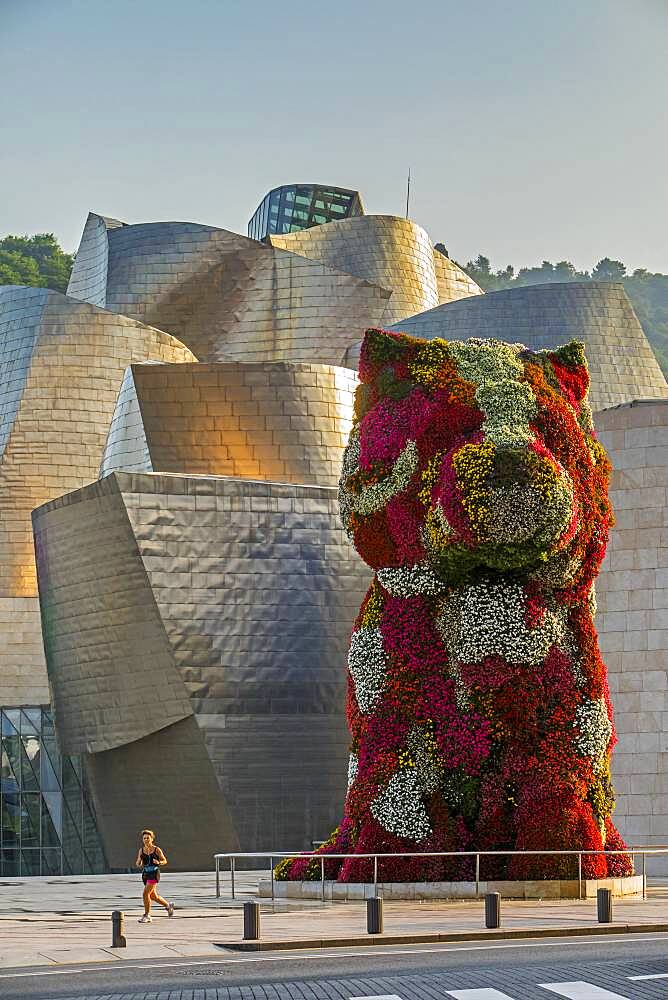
(474, 486)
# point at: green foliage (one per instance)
(37, 261)
(648, 292)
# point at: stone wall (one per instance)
(632, 616)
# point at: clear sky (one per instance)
(533, 128)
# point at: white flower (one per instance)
(367, 665)
(595, 729)
(353, 767)
(375, 497)
(407, 581)
(350, 465)
(508, 406)
(487, 619)
(399, 807)
(490, 360)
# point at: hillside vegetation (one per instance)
(648, 292)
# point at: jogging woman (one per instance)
(149, 859)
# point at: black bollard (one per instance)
(251, 921)
(118, 930)
(493, 909)
(604, 905)
(374, 915)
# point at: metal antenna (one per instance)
(408, 191)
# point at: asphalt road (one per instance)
(631, 967)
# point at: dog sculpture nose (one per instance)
(510, 503)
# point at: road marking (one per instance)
(581, 991)
(320, 954)
(485, 994)
(379, 996)
(657, 975)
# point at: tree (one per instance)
(37, 260)
(609, 270)
(17, 269)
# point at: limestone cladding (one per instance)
(226, 296)
(282, 421)
(621, 361)
(632, 616)
(166, 597)
(61, 366)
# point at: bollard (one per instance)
(251, 921)
(493, 909)
(604, 905)
(118, 930)
(374, 915)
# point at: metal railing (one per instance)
(294, 855)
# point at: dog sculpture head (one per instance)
(471, 459)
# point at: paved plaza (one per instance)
(54, 921)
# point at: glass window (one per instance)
(52, 861)
(52, 819)
(30, 763)
(30, 862)
(43, 801)
(31, 803)
(9, 862)
(10, 816)
(31, 721)
(10, 721)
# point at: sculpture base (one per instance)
(541, 889)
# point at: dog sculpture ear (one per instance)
(381, 348)
(570, 367)
(571, 355)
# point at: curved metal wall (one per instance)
(255, 586)
(621, 362)
(61, 365)
(451, 282)
(228, 297)
(391, 252)
(282, 421)
(88, 280)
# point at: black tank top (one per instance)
(147, 860)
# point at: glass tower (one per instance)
(300, 206)
(47, 825)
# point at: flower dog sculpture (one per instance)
(478, 706)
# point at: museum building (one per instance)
(176, 589)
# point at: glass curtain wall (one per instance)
(47, 825)
(300, 206)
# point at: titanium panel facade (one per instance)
(386, 250)
(621, 362)
(451, 281)
(281, 421)
(61, 365)
(255, 586)
(225, 296)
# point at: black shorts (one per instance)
(154, 878)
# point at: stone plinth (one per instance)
(543, 889)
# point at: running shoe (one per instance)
(146, 920)
(170, 910)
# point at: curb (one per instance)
(376, 940)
